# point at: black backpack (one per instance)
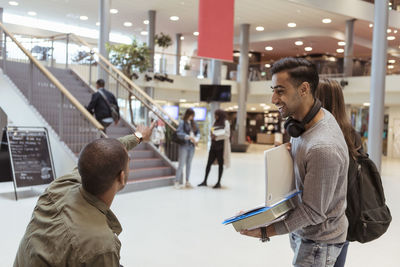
(368, 215)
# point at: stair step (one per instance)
(140, 154)
(150, 172)
(145, 184)
(146, 163)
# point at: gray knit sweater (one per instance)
(320, 164)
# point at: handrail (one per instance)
(54, 80)
(128, 81)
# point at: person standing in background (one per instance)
(189, 132)
(329, 92)
(220, 146)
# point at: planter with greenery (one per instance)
(164, 41)
(130, 59)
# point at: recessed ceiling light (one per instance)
(388, 30)
(13, 3)
(113, 11)
(298, 43)
(269, 48)
(182, 38)
(371, 25)
(390, 67)
(253, 109)
(97, 23)
(390, 3)
(236, 106)
(308, 48)
(32, 13)
(83, 18)
(366, 104)
(127, 24)
(174, 18)
(146, 21)
(291, 24)
(340, 50)
(196, 33)
(326, 20)
(395, 31)
(341, 43)
(391, 38)
(392, 61)
(143, 33)
(268, 65)
(267, 107)
(182, 100)
(259, 28)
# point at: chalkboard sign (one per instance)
(30, 156)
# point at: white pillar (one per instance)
(243, 82)
(348, 49)
(378, 75)
(151, 31)
(104, 34)
(178, 42)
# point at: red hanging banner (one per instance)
(216, 29)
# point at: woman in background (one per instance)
(189, 132)
(220, 146)
(329, 92)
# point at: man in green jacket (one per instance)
(72, 224)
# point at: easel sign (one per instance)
(30, 156)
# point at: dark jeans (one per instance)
(341, 259)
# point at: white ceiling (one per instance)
(273, 15)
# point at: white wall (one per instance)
(394, 113)
(20, 113)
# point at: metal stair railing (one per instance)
(68, 118)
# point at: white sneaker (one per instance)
(188, 185)
(177, 185)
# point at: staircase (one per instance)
(148, 168)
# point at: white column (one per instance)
(104, 34)
(178, 42)
(378, 75)
(348, 49)
(151, 31)
(243, 82)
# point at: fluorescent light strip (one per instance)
(62, 28)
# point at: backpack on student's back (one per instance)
(368, 215)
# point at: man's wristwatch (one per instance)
(264, 237)
(139, 136)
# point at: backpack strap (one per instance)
(105, 99)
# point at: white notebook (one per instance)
(279, 174)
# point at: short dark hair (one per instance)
(299, 69)
(100, 82)
(100, 162)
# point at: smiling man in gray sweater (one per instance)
(318, 224)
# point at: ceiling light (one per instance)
(371, 25)
(268, 65)
(143, 33)
(32, 13)
(97, 23)
(174, 18)
(253, 109)
(13, 3)
(388, 30)
(341, 43)
(263, 104)
(269, 48)
(267, 107)
(395, 31)
(298, 43)
(127, 24)
(308, 48)
(83, 18)
(182, 100)
(391, 38)
(366, 104)
(291, 24)
(113, 11)
(146, 21)
(196, 33)
(236, 106)
(340, 50)
(390, 67)
(326, 20)
(259, 28)
(182, 38)
(392, 61)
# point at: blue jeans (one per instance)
(308, 253)
(341, 259)
(186, 153)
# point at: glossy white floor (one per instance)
(168, 227)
